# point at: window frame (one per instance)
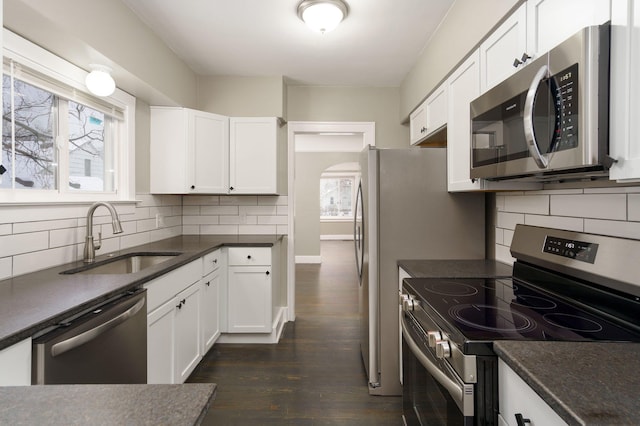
(71, 77)
(342, 175)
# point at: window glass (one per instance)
(336, 197)
(90, 149)
(32, 148)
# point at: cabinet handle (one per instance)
(208, 283)
(179, 305)
(525, 57)
(231, 188)
(193, 187)
(215, 261)
(424, 129)
(520, 421)
(249, 257)
(517, 62)
(267, 272)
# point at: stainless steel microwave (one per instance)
(550, 120)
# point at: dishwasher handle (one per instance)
(86, 336)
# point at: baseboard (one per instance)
(261, 338)
(308, 259)
(338, 237)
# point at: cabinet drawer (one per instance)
(249, 256)
(211, 262)
(167, 286)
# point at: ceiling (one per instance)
(376, 45)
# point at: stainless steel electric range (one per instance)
(566, 286)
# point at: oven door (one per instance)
(433, 394)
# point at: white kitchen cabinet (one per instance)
(550, 22)
(430, 116)
(173, 324)
(502, 51)
(249, 290)
(624, 128)
(516, 397)
(188, 333)
(211, 286)
(15, 364)
(418, 124)
(161, 344)
(464, 86)
(189, 151)
(254, 155)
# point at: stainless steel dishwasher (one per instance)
(107, 344)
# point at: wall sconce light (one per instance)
(322, 15)
(99, 80)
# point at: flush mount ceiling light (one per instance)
(99, 80)
(322, 15)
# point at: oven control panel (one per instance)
(573, 249)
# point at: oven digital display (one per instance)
(578, 250)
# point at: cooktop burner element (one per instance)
(573, 322)
(450, 288)
(535, 302)
(477, 316)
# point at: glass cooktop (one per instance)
(503, 308)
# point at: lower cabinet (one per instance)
(174, 333)
(518, 400)
(210, 308)
(15, 364)
(249, 295)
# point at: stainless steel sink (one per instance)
(125, 264)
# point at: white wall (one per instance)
(607, 211)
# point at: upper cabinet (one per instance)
(625, 91)
(189, 151)
(253, 155)
(196, 152)
(505, 50)
(430, 116)
(533, 29)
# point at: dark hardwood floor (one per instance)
(314, 375)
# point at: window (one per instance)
(60, 143)
(337, 197)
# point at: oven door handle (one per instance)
(462, 394)
(529, 133)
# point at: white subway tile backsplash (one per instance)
(200, 200)
(499, 235)
(68, 237)
(11, 245)
(238, 220)
(219, 229)
(190, 210)
(5, 229)
(133, 240)
(23, 227)
(500, 202)
(6, 267)
(598, 206)
(508, 220)
(258, 210)
(612, 227)
(633, 206)
(219, 210)
(558, 222)
(239, 200)
(534, 204)
(282, 229)
(200, 220)
(504, 255)
(280, 200)
(146, 225)
(282, 210)
(272, 220)
(31, 262)
(508, 237)
(190, 229)
(257, 229)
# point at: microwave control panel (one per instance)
(573, 249)
(565, 84)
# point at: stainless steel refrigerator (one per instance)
(403, 211)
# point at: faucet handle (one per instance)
(97, 245)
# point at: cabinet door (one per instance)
(436, 105)
(15, 364)
(253, 155)
(160, 344)
(625, 91)
(550, 22)
(168, 158)
(249, 297)
(516, 397)
(499, 52)
(187, 332)
(418, 124)
(210, 310)
(464, 86)
(208, 152)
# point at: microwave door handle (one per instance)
(529, 135)
(461, 394)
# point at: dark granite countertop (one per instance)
(455, 268)
(105, 404)
(32, 302)
(586, 383)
